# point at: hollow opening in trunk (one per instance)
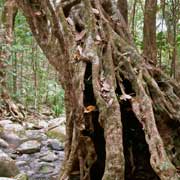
(94, 131)
(136, 152)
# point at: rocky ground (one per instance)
(34, 148)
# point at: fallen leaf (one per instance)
(38, 13)
(89, 109)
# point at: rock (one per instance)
(8, 167)
(4, 122)
(57, 133)
(12, 138)
(49, 157)
(44, 149)
(24, 157)
(60, 155)
(21, 176)
(42, 124)
(46, 168)
(13, 127)
(54, 144)
(3, 144)
(56, 129)
(21, 163)
(36, 135)
(29, 147)
(57, 122)
(29, 125)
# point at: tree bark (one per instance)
(150, 48)
(123, 7)
(100, 69)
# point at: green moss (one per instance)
(56, 135)
(21, 177)
(45, 169)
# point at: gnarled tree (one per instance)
(120, 110)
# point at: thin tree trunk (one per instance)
(132, 21)
(14, 65)
(123, 7)
(150, 49)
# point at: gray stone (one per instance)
(24, 157)
(49, 157)
(42, 124)
(12, 138)
(21, 176)
(29, 147)
(55, 145)
(3, 143)
(57, 122)
(8, 167)
(4, 122)
(36, 135)
(29, 125)
(46, 168)
(13, 127)
(21, 163)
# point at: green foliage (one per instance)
(30, 78)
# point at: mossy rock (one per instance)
(46, 169)
(55, 134)
(21, 177)
(8, 167)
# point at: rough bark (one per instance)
(150, 48)
(123, 7)
(100, 68)
(7, 26)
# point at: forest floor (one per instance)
(35, 145)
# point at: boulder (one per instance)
(11, 138)
(14, 127)
(21, 176)
(3, 143)
(36, 135)
(29, 147)
(49, 157)
(8, 167)
(46, 168)
(54, 144)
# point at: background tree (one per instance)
(23, 55)
(149, 31)
(172, 7)
(7, 26)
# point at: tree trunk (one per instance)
(114, 99)
(123, 8)
(6, 27)
(150, 48)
